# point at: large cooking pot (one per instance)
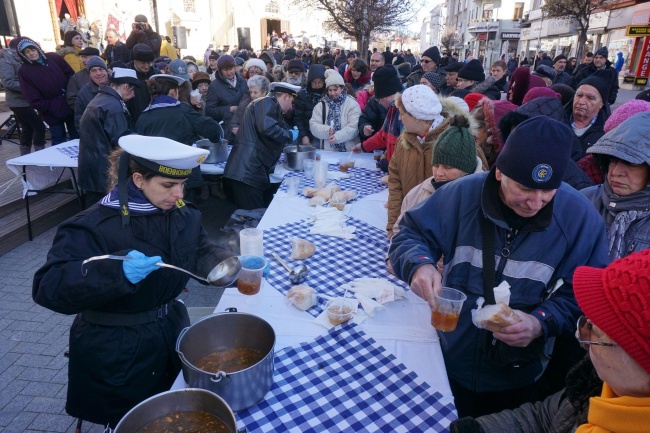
(241, 389)
(293, 159)
(182, 400)
(218, 151)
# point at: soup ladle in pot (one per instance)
(222, 275)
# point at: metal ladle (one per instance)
(297, 275)
(222, 275)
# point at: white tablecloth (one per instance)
(403, 328)
(45, 167)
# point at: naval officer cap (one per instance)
(280, 86)
(125, 75)
(165, 157)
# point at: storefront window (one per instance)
(487, 11)
(618, 42)
(519, 11)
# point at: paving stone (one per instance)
(51, 422)
(8, 360)
(58, 362)
(4, 323)
(63, 392)
(45, 405)
(16, 306)
(38, 374)
(61, 376)
(34, 348)
(31, 360)
(41, 389)
(20, 423)
(24, 325)
(18, 403)
(7, 347)
(10, 389)
(24, 315)
(11, 372)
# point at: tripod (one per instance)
(12, 127)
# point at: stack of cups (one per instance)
(308, 167)
(251, 242)
(320, 173)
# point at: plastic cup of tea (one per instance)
(344, 164)
(308, 168)
(449, 302)
(376, 154)
(339, 310)
(351, 163)
(293, 184)
(250, 276)
(320, 174)
(338, 201)
(251, 242)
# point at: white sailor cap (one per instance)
(280, 86)
(125, 75)
(163, 156)
(178, 80)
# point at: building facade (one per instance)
(434, 27)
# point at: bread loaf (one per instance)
(495, 316)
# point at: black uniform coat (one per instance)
(113, 368)
(261, 137)
(142, 97)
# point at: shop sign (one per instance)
(509, 35)
(643, 70)
(637, 31)
(482, 36)
(559, 26)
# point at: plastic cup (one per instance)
(444, 316)
(376, 154)
(308, 167)
(338, 201)
(250, 276)
(320, 174)
(344, 164)
(251, 242)
(351, 163)
(339, 310)
(293, 184)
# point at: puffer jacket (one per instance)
(261, 137)
(488, 88)
(9, 65)
(411, 162)
(564, 235)
(306, 101)
(71, 55)
(221, 96)
(348, 134)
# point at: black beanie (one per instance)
(473, 70)
(558, 58)
(537, 153)
(602, 51)
(143, 53)
(386, 81)
(602, 81)
(433, 54)
(454, 66)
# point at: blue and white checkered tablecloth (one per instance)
(70, 151)
(363, 181)
(337, 261)
(222, 164)
(344, 381)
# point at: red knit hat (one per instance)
(472, 99)
(617, 300)
(541, 92)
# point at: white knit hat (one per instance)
(255, 62)
(333, 78)
(461, 102)
(421, 103)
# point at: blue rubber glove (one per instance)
(137, 269)
(267, 271)
(294, 134)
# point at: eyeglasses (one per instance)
(584, 334)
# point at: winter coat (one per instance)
(167, 49)
(486, 87)
(113, 368)
(142, 97)
(117, 53)
(512, 65)
(44, 86)
(562, 78)
(502, 84)
(85, 95)
(362, 98)
(411, 162)
(178, 121)
(221, 96)
(306, 100)
(348, 134)
(584, 72)
(357, 84)
(147, 37)
(386, 137)
(591, 136)
(373, 115)
(71, 55)
(261, 137)
(77, 81)
(9, 65)
(565, 234)
(241, 109)
(104, 121)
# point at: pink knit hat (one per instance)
(617, 300)
(625, 111)
(523, 81)
(541, 92)
(493, 111)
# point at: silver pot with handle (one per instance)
(169, 402)
(295, 155)
(218, 151)
(229, 330)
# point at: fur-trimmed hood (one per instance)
(63, 51)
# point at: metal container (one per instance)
(218, 151)
(241, 389)
(182, 400)
(293, 159)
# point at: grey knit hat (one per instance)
(456, 146)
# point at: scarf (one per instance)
(162, 101)
(624, 210)
(334, 115)
(138, 203)
(610, 413)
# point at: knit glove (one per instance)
(294, 134)
(137, 269)
(466, 425)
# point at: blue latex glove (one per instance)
(137, 269)
(267, 271)
(294, 134)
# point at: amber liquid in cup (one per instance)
(445, 313)
(344, 167)
(444, 322)
(248, 288)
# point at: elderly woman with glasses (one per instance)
(610, 390)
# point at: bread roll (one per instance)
(493, 317)
(302, 297)
(301, 249)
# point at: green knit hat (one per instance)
(456, 146)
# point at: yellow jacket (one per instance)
(71, 55)
(167, 49)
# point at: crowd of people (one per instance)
(525, 169)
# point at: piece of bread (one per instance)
(302, 249)
(316, 201)
(302, 297)
(309, 191)
(494, 317)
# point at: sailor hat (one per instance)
(163, 156)
(280, 86)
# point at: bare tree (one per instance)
(578, 10)
(449, 41)
(361, 18)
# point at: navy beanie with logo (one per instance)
(537, 153)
